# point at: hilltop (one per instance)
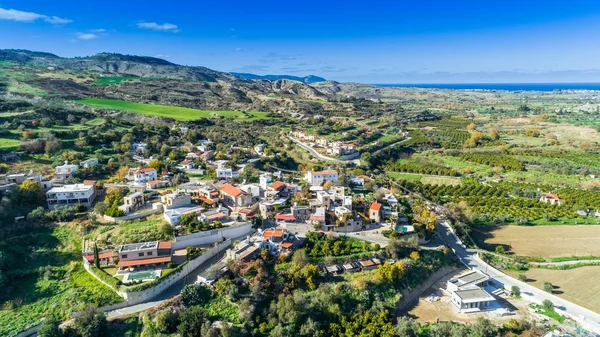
(310, 79)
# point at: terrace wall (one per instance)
(212, 236)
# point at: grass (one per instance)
(425, 179)
(113, 79)
(132, 231)
(404, 176)
(52, 281)
(220, 308)
(8, 143)
(177, 113)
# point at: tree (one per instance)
(415, 255)
(522, 277)
(166, 321)
(471, 126)
(195, 294)
(50, 328)
(31, 193)
(499, 249)
(192, 320)
(390, 273)
(52, 146)
(406, 327)
(548, 305)
(155, 164)
(548, 287)
(96, 256)
(516, 291)
(299, 258)
(90, 323)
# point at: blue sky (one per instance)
(366, 41)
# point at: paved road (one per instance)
(322, 157)
(587, 318)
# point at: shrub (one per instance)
(548, 305)
(516, 291)
(548, 287)
(195, 294)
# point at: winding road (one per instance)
(345, 160)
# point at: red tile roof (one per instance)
(143, 262)
(231, 190)
(327, 172)
(278, 185)
(277, 233)
(551, 196)
(207, 201)
(287, 245)
(147, 169)
(164, 245)
(156, 182)
(317, 217)
(366, 263)
(102, 255)
(376, 206)
(216, 216)
(89, 182)
(185, 162)
(285, 217)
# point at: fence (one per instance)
(212, 236)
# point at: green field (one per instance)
(178, 113)
(8, 143)
(113, 79)
(424, 178)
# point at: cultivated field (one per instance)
(178, 113)
(425, 179)
(579, 285)
(542, 241)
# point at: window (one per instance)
(124, 256)
(141, 254)
(149, 254)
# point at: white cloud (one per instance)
(165, 27)
(21, 16)
(100, 30)
(238, 49)
(86, 36)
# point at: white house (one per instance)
(64, 172)
(139, 147)
(227, 173)
(550, 198)
(260, 148)
(186, 165)
(145, 175)
(468, 293)
(89, 163)
(68, 195)
(319, 177)
(265, 180)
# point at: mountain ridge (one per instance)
(309, 79)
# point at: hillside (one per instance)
(310, 79)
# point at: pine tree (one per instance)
(96, 256)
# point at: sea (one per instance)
(500, 86)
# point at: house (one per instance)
(200, 191)
(173, 200)
(173, 216)
(107, 257)
(278, 240)
(205, 145)
(342, 212)
(192, 156)
(260, 148)
(235, 197)
(89, 163)
(273, 190)
(68, 195)
(356, 181)
(375, 212)
(283, 219)
(350, 267)
(319, 177)
(207, 155)
(333, 269)
(301, 213)
(390, 199)
(551, 198)
(367, 264)
(144, 175)
(220, 214)
(64, 172)
(323, 142)
(132, 202)
(186, 165)
(468, 293)
(318, 217)
(324, 198)
(265, 180)
(267, 206)
(226, 173)
(244, 251)
(154, 184)
(139, 147)
(156, 254)
(252, 189)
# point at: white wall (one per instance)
(212, 236)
